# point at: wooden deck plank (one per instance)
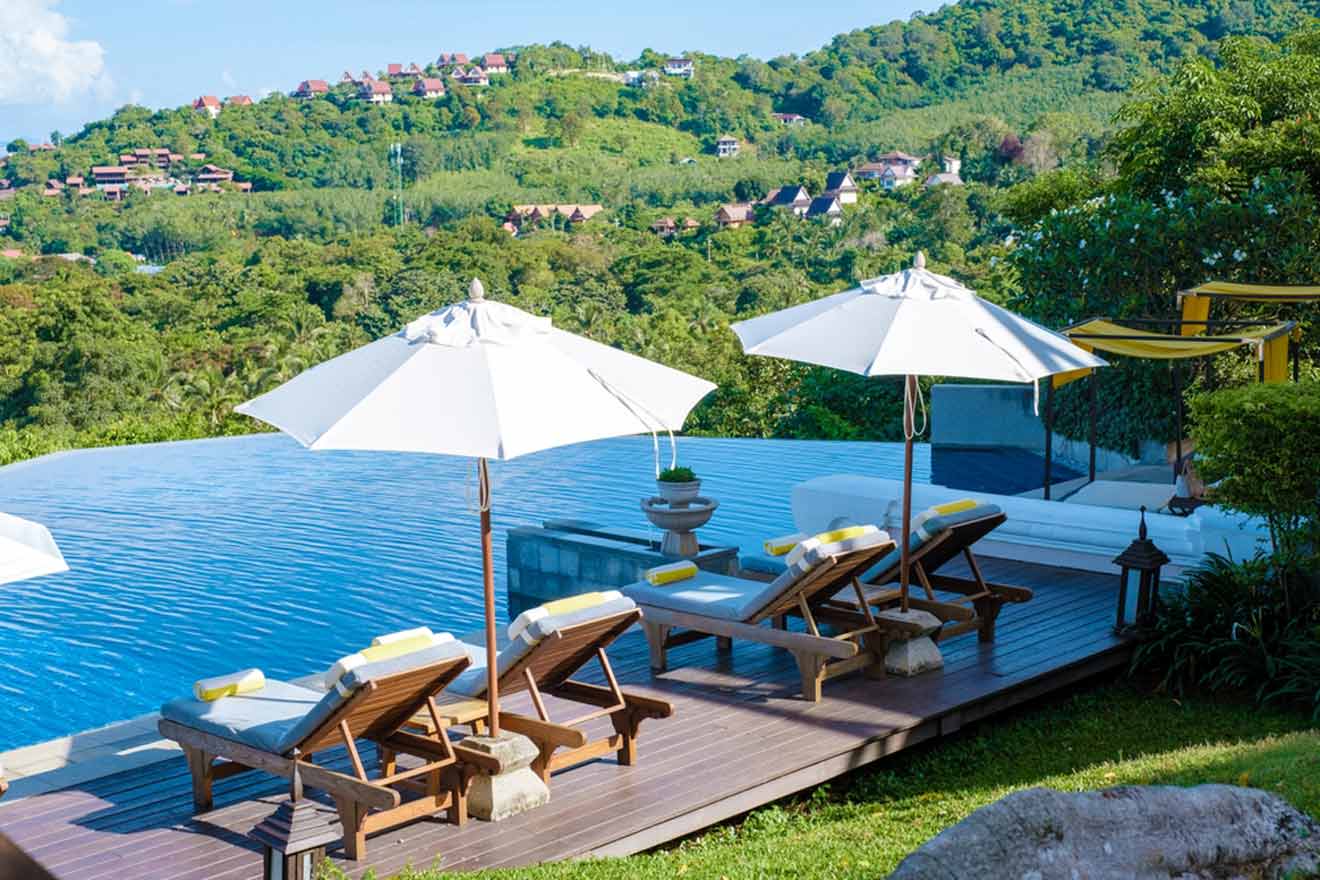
(740, 737)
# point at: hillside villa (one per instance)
(894, 169)
(311, 88)
(793, 197)
(376, 92)
(680, 67)
(950, 175)
(238, 101)
(792, 119)
(667, 226)
(494, 63)
(734, 215)
(533, 214)
(429, 87)
(726, 146)
(840, 183)
(208, 104)
(826, 207)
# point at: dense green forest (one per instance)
(1113, 152)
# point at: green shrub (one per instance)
(1260, 446)
(1250, 626)
(677, 475)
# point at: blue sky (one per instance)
(66, 62)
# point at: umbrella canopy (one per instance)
(480, 379)
(27, 550)
(483, 380)
(913, 323)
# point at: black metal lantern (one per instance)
(294, 838)
(1138, 582)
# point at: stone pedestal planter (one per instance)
(679, 521)
(916, 654)
(516, 788)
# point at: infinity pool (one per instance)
(196, 558)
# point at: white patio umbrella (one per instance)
(27, 550)
(913, 323)
(484, 380)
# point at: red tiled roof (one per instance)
(493, 59)
(429, 84)
(206, 101)
(240, 100)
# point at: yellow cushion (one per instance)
(401, 635)
(671, 573)
(784, 543)
(209, 690)
(955, 506)
(573, 603)
(819, 540)
(558, 606)
(396, 648)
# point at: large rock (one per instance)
(1210, 831)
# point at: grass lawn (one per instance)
(863, 824)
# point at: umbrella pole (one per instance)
(909, 427)
(488, 583)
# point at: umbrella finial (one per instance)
(919, 261)
(476, 292)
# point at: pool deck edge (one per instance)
(80, 757)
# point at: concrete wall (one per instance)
(564, 558)
(978, 416)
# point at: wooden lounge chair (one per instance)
(726, 608)
(935, 542)
(283, 724)
(542, 660)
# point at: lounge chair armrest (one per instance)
(479, 760)
(595, 695)
(548, 732)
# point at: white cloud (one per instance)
(228, 79)
(38, 63)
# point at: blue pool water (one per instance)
(197, 558)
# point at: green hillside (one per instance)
(253, 287)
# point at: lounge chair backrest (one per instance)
(959, 531)
(940, 539)
(820, 573)
(382, 697)
(554, 647)
(554, 659)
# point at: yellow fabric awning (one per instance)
(1195, 313)
(1257, 292)
(1114, 338)
(1058, 380)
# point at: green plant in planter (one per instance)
(677, 475)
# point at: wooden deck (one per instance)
(739, 738)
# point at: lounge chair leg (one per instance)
(876, 645)
(626, 722)
(201, 768)
(458, 779)
(388, 760)
(988, 610)
(656, 636)
(353, 817)
(779, 621)
(723, 644)
(812, 667)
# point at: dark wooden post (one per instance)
(909, 426)
(1178, 416)
(1090, 391)
(488, 584)
(1049, 434)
